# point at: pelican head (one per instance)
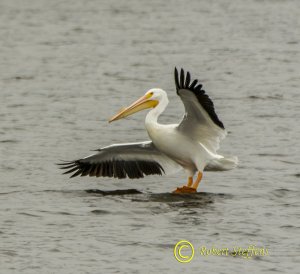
(150, 100)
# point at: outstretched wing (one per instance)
(132, 160)
(200, 121)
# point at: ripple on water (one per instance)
(271, 155)
(281, 192)
(100, 212)
(287, 227)
(269, 97)
(29, 215)
(113, 192)
(12, 141)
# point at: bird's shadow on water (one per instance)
(199, 199)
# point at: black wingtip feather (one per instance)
(132, 169)
(71, 170)
(183, 83)
(187, 79)
(181, 78)
(76, 174)
(176, 79)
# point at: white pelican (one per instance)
(192, 144)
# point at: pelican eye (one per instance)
(149, 95)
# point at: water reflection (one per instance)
(192, 200)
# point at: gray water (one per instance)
(67, 66)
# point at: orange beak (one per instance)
(143, 103)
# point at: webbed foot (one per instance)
(184, 190)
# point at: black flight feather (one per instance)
(202, 97)
(132, 169)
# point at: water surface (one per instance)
(67, 66)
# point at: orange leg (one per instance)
(198, 180)
(190, 182)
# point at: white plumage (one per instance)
(192, 144)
